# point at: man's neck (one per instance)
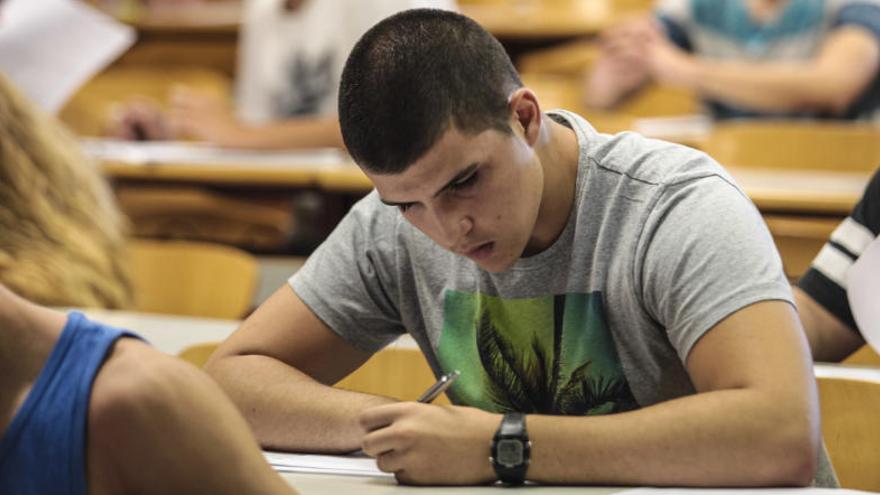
(559, 153)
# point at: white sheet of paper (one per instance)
(353, 465)
(740, 491)
(49, 48)
(863, 291)
(695, 126)
(171, 152)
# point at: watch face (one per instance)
(510, 452)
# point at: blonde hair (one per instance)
(62, 238)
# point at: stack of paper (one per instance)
(354, 465)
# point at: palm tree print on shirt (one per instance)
(548, 355)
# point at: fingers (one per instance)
(382, 416)
(139, 119)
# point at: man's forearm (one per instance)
(288, 410)
(724, 438)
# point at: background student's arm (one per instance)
(158, 425)
(207, 117)
(619, 68)
(830, 339)
(278, 368)
(846, 63)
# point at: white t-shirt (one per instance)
(290, 63)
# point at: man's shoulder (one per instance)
(651, 161)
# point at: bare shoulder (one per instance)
(160, 425)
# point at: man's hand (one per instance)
(423, 444)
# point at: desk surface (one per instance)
(772, 190)
(537, 19)
(321, 484)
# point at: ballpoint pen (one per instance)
(439, 387)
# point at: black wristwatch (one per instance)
(511, 449)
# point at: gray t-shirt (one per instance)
(660, 246)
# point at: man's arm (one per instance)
(279, 367)
(753, 422)
(846, 63)
(830, 339)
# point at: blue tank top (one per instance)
(43, 450)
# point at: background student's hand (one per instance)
(138, 119)
(203, 116)
(666, 62)
(426, 444)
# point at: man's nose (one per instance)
(453, 225)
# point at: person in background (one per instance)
(750, 58)
(290, 60)
(821, 293)
(63, 241)
(87, 409)
(609, 301)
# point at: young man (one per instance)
(88, 409)
(821, 293)
(566, 274)
(755, 58)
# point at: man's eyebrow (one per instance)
(459, 176)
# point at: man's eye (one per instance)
(464, 183)
(404, 207)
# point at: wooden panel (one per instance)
(533, 19)
(796, 145)
(395, 372)
(850, 409)
(192, 279)
(865, 356)
(799, 239)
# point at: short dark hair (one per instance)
(413, 74)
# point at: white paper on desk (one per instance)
(49, 48)
(353, 465)
(863, 291)
(176, 152)
(695, 126)
(740, 491)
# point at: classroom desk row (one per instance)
(799, 191)
(171, 334)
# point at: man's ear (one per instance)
(526, 112)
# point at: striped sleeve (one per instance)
(825, 281)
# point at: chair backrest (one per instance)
(865, 356)
(797, 145)
(401, 373)
(192, 278)
(850, 413)
(198, 354)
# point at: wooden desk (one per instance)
(772, 190)
(544, 19)
(322, 484)
(801, 191)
